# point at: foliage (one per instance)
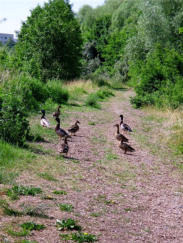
(14, 127)
(32, 226)
(92, 100)
(79, 237)
(17, 191)
(49, 42)
(66, 207)
(57, 92)
(60, 192)
(67, 224)
(139, 42)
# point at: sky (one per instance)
(16, 11)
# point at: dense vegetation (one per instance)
(139, 42)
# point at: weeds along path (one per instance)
(119, 198)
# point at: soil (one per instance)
(133, 197)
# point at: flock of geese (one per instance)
(120, 137)
(63, 147)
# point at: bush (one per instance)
(14, 127)
(92, 100)
(31, 90)
(56, 91)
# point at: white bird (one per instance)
(44, 122)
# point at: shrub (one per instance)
(56, 91)
(31, 90)
(14, 127)
(92, 100)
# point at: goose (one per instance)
(64, 147)
(74, 128)
(44, 122)
(57, 113)
(124, 126)
(119, 136)
(126, 147)
(59, 131)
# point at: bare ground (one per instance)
(120, 198)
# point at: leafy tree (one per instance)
(50, 42)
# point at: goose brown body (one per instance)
(57, 113)
(59, 131)
(119, 136)
(64, 148)
(74, 128)
(126, 147)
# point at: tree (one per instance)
(49, 42)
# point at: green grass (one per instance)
(66, 207)
(92, 101)
(60, 192)
(47, 176)
(20, 233)
(29, 226)
(17, 191)
(79, 237)
(12, 160)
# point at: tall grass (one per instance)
(12, 160)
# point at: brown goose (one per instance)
(124, 126)
(74, 128)
(59, 131)
(57, 113)
(126, 147)
(64, 147)
(119, 136)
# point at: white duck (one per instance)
(44, 122)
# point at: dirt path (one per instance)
(120, 198)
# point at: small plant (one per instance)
(47, 176)
(66, 207)
(60, 192)
(10, 211)
(91, 123)
(18, 233)
(67, 224)
(29, 226)
(92, 101)
(79, 237)
(83, 237)
(17, 191)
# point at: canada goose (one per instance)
(126, 147)
(44, 122)
(59, 131)
(119, 136)
(74, 128)
(64, 147)
(57, 113)
(124, 126)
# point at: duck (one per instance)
(59, 131)
(74, 128)
(119, 136)
(44, 122)
(124, 126)
(64, 147)
(57, 113)
(126, 147)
